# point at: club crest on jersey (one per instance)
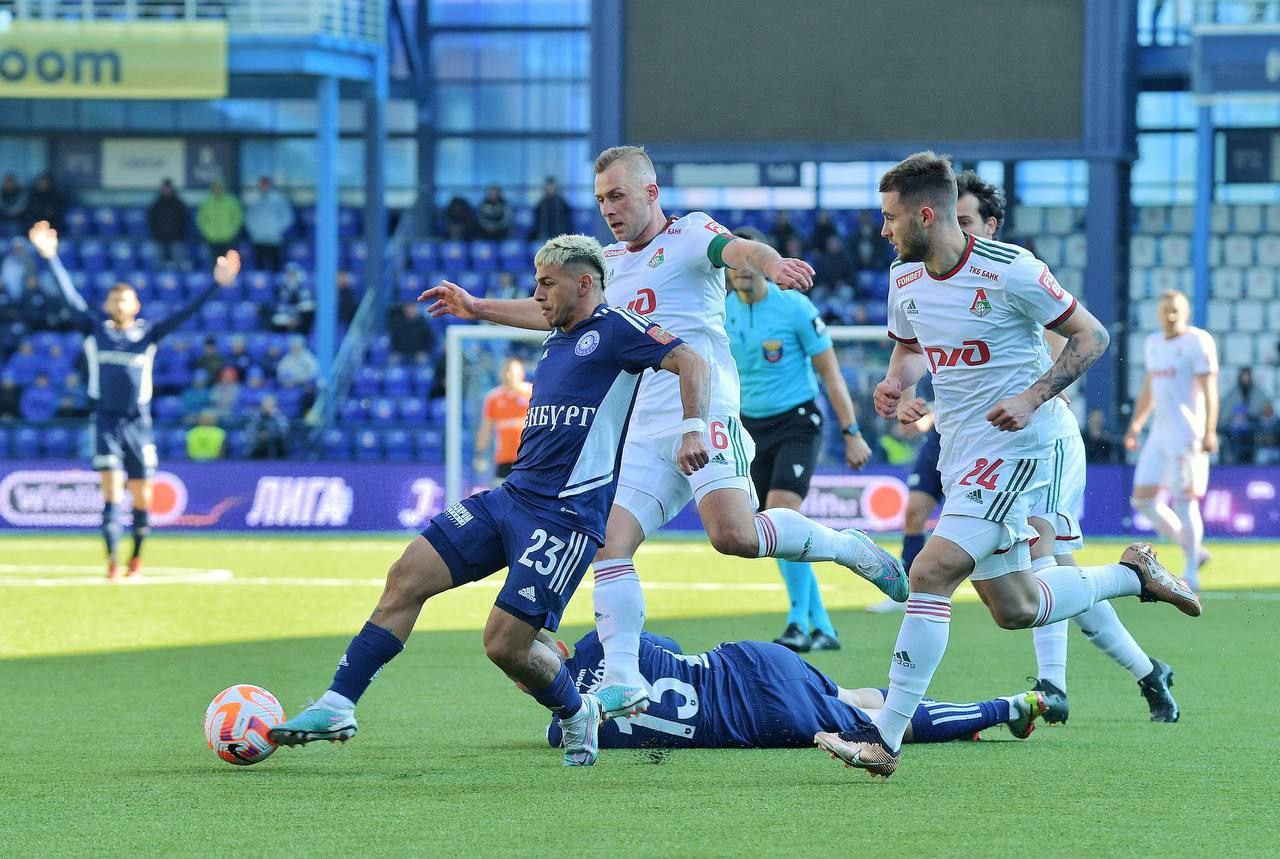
(911, 308)
(587, 344)
(772, 350)
(658, 258)
(981, 304)
(909, 277)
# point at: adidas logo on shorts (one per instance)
(528, 593)
(718, 459)
(975, 496)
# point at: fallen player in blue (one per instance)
(755, 694)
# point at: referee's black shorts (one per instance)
(787, 446)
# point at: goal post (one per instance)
(863, 350)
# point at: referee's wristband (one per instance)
(689, 425)
(852, 429)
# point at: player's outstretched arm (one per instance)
(45, 240)
(1087, 339)
(695, 396)
(225, 271)
(763, 260)
(906, 367)
(1208, 383)
(449, 299)
(857, 453)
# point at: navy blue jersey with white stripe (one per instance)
(584, 389)
(120, 360)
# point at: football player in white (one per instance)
(972, 311)
(668, 268)
(1181, 392)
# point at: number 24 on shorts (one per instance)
(984, 474)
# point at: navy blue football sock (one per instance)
(561, 696)
(939, 722)
(371, 649)
(911, 546)
(141, 529)
(110, 529)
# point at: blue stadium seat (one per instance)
(106, 221)
(368, 383)
(299, 252)
(121, 253)
(348, 222)
(357, 253)
(175, 443)
(396, 381)
(473, 282)
(167, 286)
(423, 256)
(429, 444)
(250, 398)
(513, 255)
(367, 446)
(59, 443)
(337, 444)
(258, 287)
(258, 344)
(585, 220)
(522, 219)
(397, 445)
(245, 316)
(93, 255)
(355, 410)
(197, 282)
(69, 253)
(215, 316)
(77, 221)
(289, 401)
(484, 256)
(26, 443)
(135, 222)
(383, 410)
(411, 286)
(168, 410)
(453, 256)
(379, 350)
(147, 255)
(141, 283)
(411, 409)
(103, 281)
(239, 444)
(155, 310)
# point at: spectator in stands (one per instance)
(219, 218)
(1239, 436)
(494, 217)
(508, 287)
(195, 398)
(18, 265)
(551, 215)
(823, 229)
(39, 400)
(782, 232)
(835, 265)
(295, 308)
(73, 402)
(210, 359)
(10, 397)
(298, 368)
(348, 300)
(410, 331)
(167, 221)
(459, 220)
(869, 249)
(266, 219)
(38, 309)
(1243, 394)
(1100, 444)
(206, 439)
(268, 432)
(1267, 449)
(225, 395)
(13, 204)
(24, 364)
(44, 203)
(240, 357)
(794, 248)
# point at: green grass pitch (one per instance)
(106, 686)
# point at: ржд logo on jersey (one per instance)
(971, 353)
(909, 277)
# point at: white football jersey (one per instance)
(979, 326)
(672, 281)
(1173, 364)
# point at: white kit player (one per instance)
(1056, 517)
(1181, 389)
(669, 269)
(972, 312)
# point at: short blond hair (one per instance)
(1174, 295)
(572, 249)
(641, 167)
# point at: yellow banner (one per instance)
(114, 59)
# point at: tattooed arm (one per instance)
(1087, 339)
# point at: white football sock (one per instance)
(922, 639)
(1068, 591)
(1050, 641)
(335, 701)
(1163, 519)
(1102, 626)
(619, 607)
(1188, 510)
(786, 534)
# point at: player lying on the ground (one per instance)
(546, 521)
(756, 694)
(120, 349)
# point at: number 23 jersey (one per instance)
(673, 281)
(979, 326)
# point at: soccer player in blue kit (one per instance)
(547, 520)
(120, 348)
(755, 694)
